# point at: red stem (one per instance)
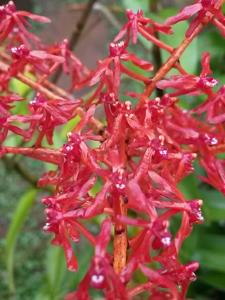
(171, 61)
(120, 238)
(43, 154)
(154, 40)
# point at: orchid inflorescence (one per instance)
(138, 151)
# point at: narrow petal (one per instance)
(184, 14)
(33, 17)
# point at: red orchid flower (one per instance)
(112, 65)
(191, 84)
(131, 28)
(10, 17)
(203, 9)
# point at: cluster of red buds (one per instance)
(138, 151)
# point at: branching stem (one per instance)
(174, 57)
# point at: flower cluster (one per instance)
(138, 153)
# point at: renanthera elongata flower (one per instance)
(137, 153)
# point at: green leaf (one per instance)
(19, 87)
(211, 39)
(167, 12)
(18, 219)
(189, 59)
(190, 245)
(96, 188)
(211, 260)
(13, 140)
(20, 108)
(42, 296)
(212, 242)
(56, 269)
(136, 4)
(84, 257)
(189, 187)
(215, 279)
(58, 280)
(57, 140)
(213, 205)
(69, 127)
(213, 201)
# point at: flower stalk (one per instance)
(120, 239)
(126, 152)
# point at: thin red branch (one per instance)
(43, 154)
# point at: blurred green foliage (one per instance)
(33, 269)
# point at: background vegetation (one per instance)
(33, 269)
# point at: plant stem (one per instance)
(120, 239)
(160, 44)
(43, 154)
(156, 51)
(171, 61)
(34, 85)
(47, 88)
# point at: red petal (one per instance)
(68, 250)
(143, 64)
(137, 199)
(103, 238)
(184, 14)
(45, 55)
(121, 33)
(155, 277)
(205, 62)
(33, 17)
